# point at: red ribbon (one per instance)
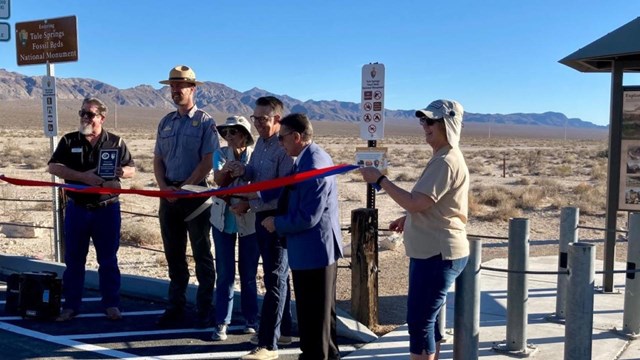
(242, 189)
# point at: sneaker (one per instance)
(261, 353)
(283, 340)
(66, 315)
(249, 329)
(220, 333)
(113, 313)
(170, 318)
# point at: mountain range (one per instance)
(217, 98)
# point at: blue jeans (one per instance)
(429, 281)
(275, 318)
(248, 255)
(103, 226)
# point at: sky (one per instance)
(493, 56)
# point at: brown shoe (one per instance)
(113, 313)
(66, 315)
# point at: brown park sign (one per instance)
(49, 40)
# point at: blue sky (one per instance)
(494, 56)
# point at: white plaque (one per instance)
(372, 104)
(49, 106)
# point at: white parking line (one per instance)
(83, 300)
(64, 341)
(95, 315)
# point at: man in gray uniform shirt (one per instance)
(185, 143)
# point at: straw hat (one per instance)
(181, 73)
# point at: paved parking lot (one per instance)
(92, 336)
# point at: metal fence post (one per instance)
(466, 315)
(568, 234)
(631, 317)
(579, 307)
(517, 290)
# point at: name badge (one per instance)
(108, 163)
(76, 150)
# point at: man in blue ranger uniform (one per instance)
(91, 216)
(185, 143)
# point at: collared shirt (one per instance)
(182, 142)
(76, 152)
(268, 161)
(441, 229)
(296, 163)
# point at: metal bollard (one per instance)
(631, 317)
(517, 290)
(568, 235)
(466, 319)
(579, 307)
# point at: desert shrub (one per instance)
(532, 161)
(493, 196)
(137, 234)
(570, 158)
(407, 176)
(599, 172)
(551, 187)
(474, 206)
(530, 198)
(581, 189)
(31, 158)
(475, 167)
(603, 154)
(144, 165)
(522, 181)
(503, 212)
(35, 158)
(562, 171)
(590, 199)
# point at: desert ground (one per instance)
(515, 172)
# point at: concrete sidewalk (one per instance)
(547, 337)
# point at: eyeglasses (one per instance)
(429, 121)
(260, 119)
(87, 114)
(281, 136)
(231, 131)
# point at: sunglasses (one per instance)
(429, 121)
(281, 136)
(260, 119)
(231, 131)
(87, 114)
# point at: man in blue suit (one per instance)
(309, 223)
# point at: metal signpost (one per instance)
(46, 42)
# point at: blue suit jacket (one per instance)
(311, 221)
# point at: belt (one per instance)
(98, 205)
(174, 183)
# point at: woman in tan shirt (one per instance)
(434, 227)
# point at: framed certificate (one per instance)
(109, 161)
